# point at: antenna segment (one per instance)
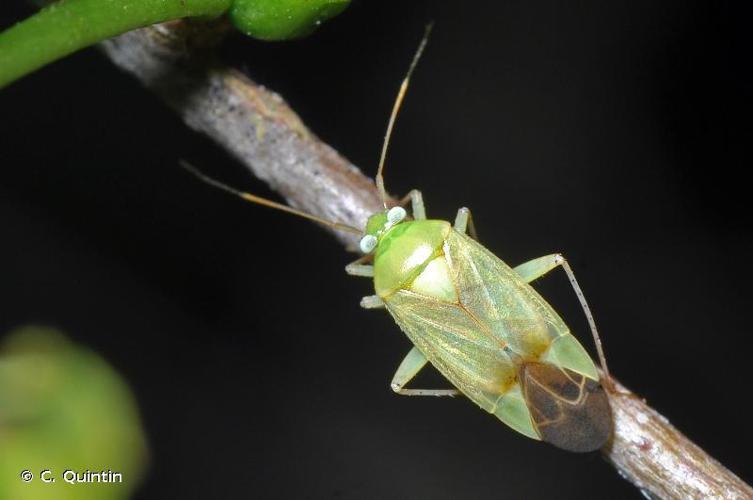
(263, 201)
(395, 109)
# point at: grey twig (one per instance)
(258, 128)
(249, 121)
(660, 460)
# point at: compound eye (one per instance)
(368, 243)
(395, 215)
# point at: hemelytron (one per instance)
(475, 319)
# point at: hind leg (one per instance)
(536, 268)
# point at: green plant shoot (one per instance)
(477, 320)
(66, 26)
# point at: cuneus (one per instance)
(475, 319)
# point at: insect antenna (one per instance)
(263, 201)
(395, 109)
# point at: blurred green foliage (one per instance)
(282, 19)
(62, 407)
(66, 26)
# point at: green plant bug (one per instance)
(477, 320)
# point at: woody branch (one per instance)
(263, 133)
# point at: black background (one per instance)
(615, 132)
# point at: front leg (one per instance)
(358, 268)
(363, 270)
(417, 207)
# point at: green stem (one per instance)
(69, 25)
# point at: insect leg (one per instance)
(536, 268)
(355, 269)
(413, 362)
(372, 302)
(358, 268)
(418, 209)
(463, 221)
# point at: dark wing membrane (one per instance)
(569, 410)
